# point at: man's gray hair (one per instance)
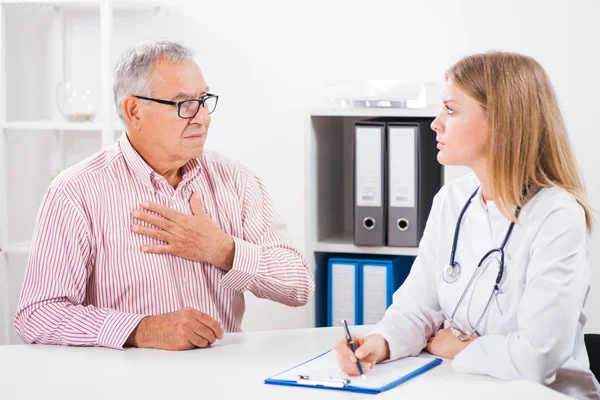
(133, 72)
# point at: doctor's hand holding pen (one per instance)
(369, 351)
(373, 349)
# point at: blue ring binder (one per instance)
(357, 291)
(396, 268)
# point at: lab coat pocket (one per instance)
(502, 318)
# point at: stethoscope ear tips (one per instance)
(451, 272)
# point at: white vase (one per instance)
(76, 104)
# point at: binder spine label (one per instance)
(368, 166)
(401, 171)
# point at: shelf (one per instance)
(53, 2)
(18, 248)
(57, 126)
(375, 112)
(344, 243)
(88, 4)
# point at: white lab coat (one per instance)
(533, 330)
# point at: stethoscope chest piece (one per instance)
(451, 272)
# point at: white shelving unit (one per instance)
(329, 188)
(75, 38)
(362, 113)
(49, 125)
(18, 247)
(343, 243)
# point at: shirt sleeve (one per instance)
(548, 313)
(415, 313)
(51, 309)
(265, 261)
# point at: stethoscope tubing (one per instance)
(450, 277)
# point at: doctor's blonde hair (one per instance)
(528, 139)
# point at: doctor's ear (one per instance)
(132, 110)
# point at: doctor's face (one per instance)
(461, 129)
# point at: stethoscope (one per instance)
(452, 272)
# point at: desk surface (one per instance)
(234, 367)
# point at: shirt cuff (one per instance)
(246, 261)
(117, 328)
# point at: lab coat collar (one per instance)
(478, 199)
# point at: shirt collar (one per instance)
(144, 172)
(191, 170)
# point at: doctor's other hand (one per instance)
(369, 350)
(444, 344)
(180, 330)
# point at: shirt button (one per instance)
(185, 280)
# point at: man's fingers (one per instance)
(201, 330)
(152, 219)
(151, 233)
(210, 323)
(197, 341)
(165, 212)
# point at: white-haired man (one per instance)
(152, 242)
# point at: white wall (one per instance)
(269, 61)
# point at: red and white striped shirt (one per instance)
(88, 282)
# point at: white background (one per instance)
(270, 62)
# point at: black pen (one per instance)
(351, 344)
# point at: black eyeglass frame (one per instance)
(201, 102)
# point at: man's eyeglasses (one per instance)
(189, 108)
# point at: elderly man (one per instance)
(153, 242)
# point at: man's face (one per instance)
(162, 131)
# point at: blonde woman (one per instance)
(501, 277)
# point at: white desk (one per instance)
(233, 368)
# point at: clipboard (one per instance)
(322, 372)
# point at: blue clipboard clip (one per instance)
(323, 381)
